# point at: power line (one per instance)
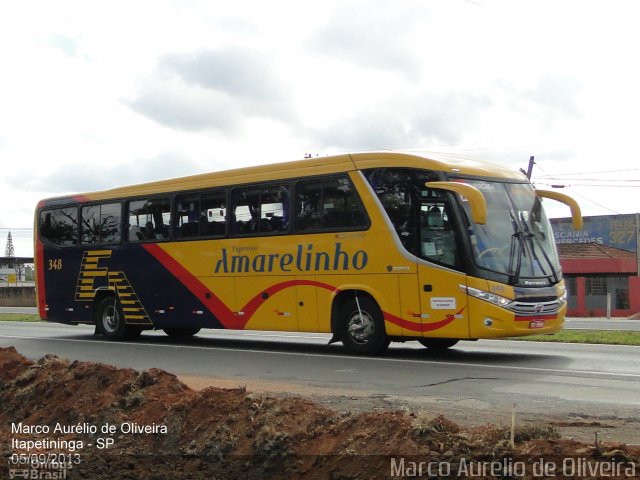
(627, 180)
(596, 185)
(587, 199)
(595, 172)
(593, 182)
(596, 203)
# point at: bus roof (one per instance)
(308, 167)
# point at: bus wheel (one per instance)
(181, 332)
(438, 343)
(110, 321)
(361, 327)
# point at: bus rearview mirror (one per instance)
(576, 214)
(477, 202)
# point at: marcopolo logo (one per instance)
(303, 259)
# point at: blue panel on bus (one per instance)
(152, 295)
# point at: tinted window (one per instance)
(100, 224)
(201, 214)
(261, 209)
(328, 203)
(148, 219)
(421, 216)
(59, 226)
(437, 234)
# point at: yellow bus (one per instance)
(371, 247)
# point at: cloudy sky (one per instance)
(96, 94)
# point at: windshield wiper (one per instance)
(531, 236)
(516, 250)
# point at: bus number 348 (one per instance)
(55, 264)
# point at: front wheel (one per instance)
(438, 343)
(361, 327)
(110, 321)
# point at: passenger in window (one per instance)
(135, 233)
(283, 223)
(149, 233)
(310, 217)
(254, 222)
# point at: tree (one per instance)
(9, 252)
(28, 273)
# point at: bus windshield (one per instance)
(517, 239)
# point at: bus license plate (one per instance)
(536, 324)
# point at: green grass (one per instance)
(18, 317)
(608, 337)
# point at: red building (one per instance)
(600, 265)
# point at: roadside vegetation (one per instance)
(607, 337)
(18, 317)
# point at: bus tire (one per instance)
(361, 327)
(181, 332)
(438, 343)
(110, 321)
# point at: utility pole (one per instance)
(530, 168)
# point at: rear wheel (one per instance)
(110, 321)
(438, 343)
(361, 327)
(181, 332)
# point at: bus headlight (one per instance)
(488, 297)
(563, 298)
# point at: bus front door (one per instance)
(443, 303)
(442, 287)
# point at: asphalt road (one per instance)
(485, 376)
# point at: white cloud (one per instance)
(372, 35)
(212, 89)
(85, 177)
(407, 122)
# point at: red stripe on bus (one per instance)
(256, 302)
(42, 298)
(421, 327)
(230, 320)
(216, 306)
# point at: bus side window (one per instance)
(260, 209)
(213, 213)
(59, 226)
(437, 239)
(274, 208)
(342, 204)
(100, 224)
(307, 206)
(90, 232)
(328, 203)
(188, 215)
(148, 219)
(245, 211)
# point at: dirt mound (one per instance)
(86, 420)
